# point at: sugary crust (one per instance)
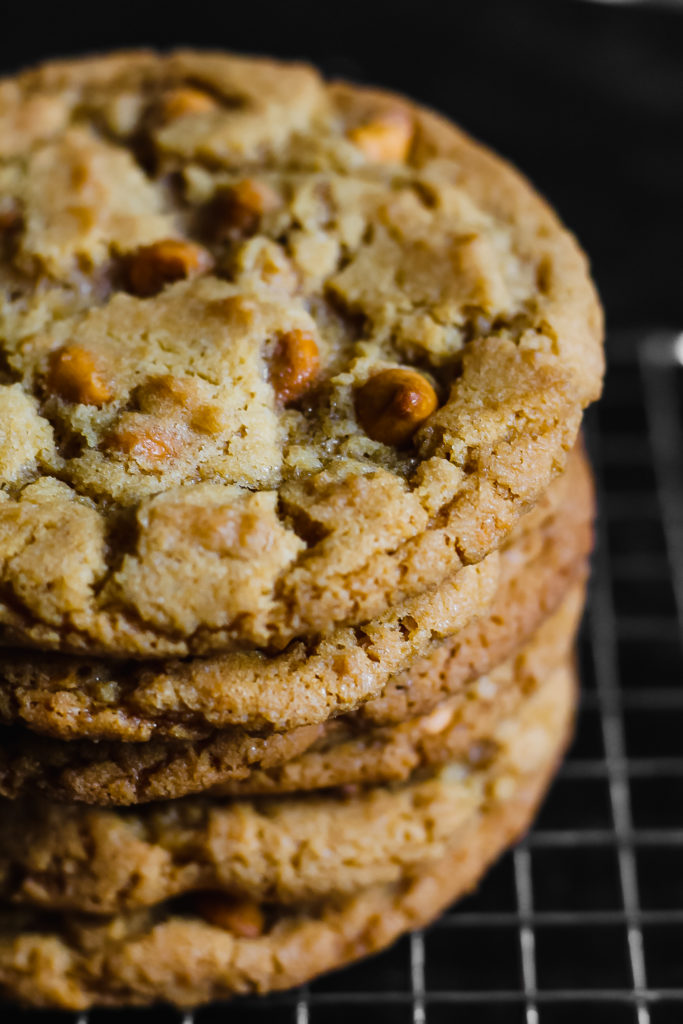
(72, 698)
(151, 956)
(192, 511)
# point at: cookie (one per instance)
(124, 773)
(277, 355)
(172, 954)
(69, 697)
(306, 684)
(350, 754)
(127, 773)
(292, 850)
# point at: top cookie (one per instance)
(276, 354)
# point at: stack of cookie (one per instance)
(294, 529)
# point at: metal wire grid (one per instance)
(584, 919)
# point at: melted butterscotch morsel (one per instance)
(182, 102)
(386, 138)
(236, 211)
(153, 266)
(167, 393)
(145, 439)
(74, 374)
(241, 917)
(392, 404)
(181, 398)
(294, 365)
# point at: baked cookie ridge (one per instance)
(508, 593)
(290, 850)
(182, 958)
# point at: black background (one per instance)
(587, 99)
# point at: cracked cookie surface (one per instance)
(537, 575)
(70, 697)
(276, 354)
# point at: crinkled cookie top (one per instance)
(276, 354)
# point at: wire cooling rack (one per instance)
(584, 920)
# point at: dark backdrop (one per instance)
(586, 99)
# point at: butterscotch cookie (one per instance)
(308, 683)
(214, 948)
(277, 355)
(349, 753)
(294, 849)
(126, 773)
(70, 697)
(338, 752)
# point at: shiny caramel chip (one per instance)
(392, 404)
(172, 259)
(294, 365)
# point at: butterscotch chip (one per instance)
(237, 210)
(144, 439)
(208, 419)
(241, 917)
(386, 138)
(392, 404)
(167, 391)
(154, 266)
(294, 365)
(182, 102)
(75, 376)
(239, 312)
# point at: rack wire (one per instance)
(584, 919)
